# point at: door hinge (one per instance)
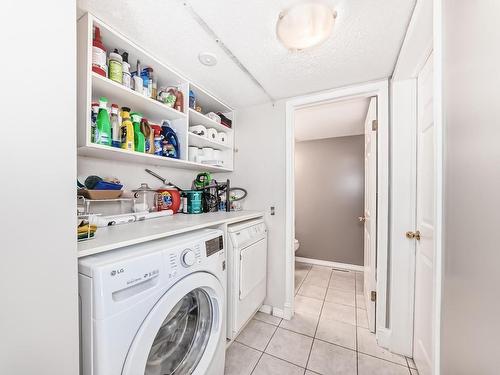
(373, 296)
(375, 125)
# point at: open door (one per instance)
(425, 269)
(370, 214)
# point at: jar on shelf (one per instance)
(145, 198)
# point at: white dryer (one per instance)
(247, 273)
(156, 308)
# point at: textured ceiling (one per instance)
(339, 119)
(364, 46)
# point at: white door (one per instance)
(370, 214)
(423, 340)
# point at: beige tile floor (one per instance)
(328, 334)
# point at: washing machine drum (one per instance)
(180, 335)
(183, 336)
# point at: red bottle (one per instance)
(98, 54)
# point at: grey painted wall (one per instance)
(329, 197)
(470, 329)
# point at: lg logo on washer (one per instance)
(118, 271)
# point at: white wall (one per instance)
(132, 175)
(260, 168)
(38, 291)
(470, 329)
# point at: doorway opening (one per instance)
(374, 96)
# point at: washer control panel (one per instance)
(188, 258)
(191, 255)
(172, 260)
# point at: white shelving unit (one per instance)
(200, 142)
(91, 86)
(197, 118)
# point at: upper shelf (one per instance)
(208, 102)
(196, 118)
(200, 142)
(118, 154)
(153, 109)
(112, 39)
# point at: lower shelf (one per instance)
(118, 154)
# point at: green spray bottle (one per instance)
(103, 124)
(139, 140)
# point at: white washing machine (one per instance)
(247, 273)
(157, 308)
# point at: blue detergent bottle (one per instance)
(170, 142)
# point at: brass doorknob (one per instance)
(361, 219)
(413, 235)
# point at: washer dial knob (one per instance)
(188, 258)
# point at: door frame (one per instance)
(380, 89)
(423, 37)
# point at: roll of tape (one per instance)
(212, 134)
(199, 130)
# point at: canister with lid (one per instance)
(115, 67)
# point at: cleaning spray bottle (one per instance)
(139, 141)
(127, 130)
(103, 124)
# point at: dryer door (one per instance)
(181, 332)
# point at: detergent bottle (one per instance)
(127, 130)
(149, 137)
(170, 142)
(103, 124)
(158, 139)
(139, 140)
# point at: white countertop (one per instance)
(114, 237)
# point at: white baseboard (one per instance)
(279, 313)
(326, 263)
(285, 313)
(266, 309)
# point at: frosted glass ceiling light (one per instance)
(305, 25)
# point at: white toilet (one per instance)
(297, 245)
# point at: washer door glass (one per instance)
(183, 336)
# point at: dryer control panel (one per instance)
(247, 235)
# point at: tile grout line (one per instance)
(319, 318)
(302, 282)
(383, 359)
(264, 351)
(270, 355)
(357, 349)
(322, 340)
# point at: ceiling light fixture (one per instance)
(305, 25)
(207, 58)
